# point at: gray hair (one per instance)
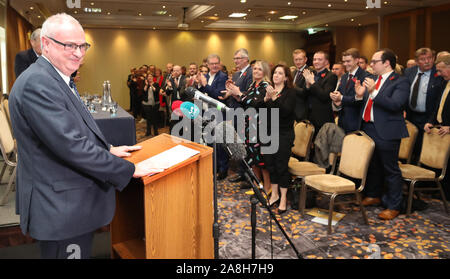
(212, 56)
(35, 35)
(243, 52)
(53, 24)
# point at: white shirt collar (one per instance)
(386, 75)
(63, 76)
(353, 73)
(244, 69)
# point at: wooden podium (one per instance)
(170, 214)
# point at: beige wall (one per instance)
(363, 38)
(115, 51)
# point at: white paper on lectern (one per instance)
(168, 158)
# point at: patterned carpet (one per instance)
(424, 234)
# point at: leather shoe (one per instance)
(388, 214)
(279, 211)
(237, 178)
(221, 175)
(371, 201)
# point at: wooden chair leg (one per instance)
(410, 197)
(444, 200)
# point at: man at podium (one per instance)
(67, 172)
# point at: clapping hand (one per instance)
(359, 89)
(271, 93)
(369, 84)
(309, 77)
(336, 97)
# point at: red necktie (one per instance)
(370, 102)
(350, 76)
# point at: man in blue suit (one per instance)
(67, 172)
(381, 117)
(425, 90)
(27, 57)
(213, 84)
(343, 98)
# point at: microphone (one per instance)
(193, 93)
(227, 137)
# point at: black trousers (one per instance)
(277, 163)
(151, 114)
(419, 120)
(79, 247)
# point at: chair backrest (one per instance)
(6, 109)
(435, 149)
(304, 132)
(407, 144)
(6, 138)
(357, 150)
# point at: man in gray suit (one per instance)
(67, 172)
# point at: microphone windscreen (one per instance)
(226, 135)
(190, 92)
(190, 110)
(176, 107)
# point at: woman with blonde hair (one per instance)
(254, 98)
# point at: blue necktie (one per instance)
(72, 85)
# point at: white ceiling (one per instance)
(213, 15)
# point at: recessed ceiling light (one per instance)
(160, 12)
(352, 19)
(31, 8)
(38, 16)
(108, 13)
(202, 21)
(245, 17)
(345, 1)
(287, 17)
(139, 14)
(243, 1)
(359, 24)
(170, 15)
(237, 15)
(249, 10)
(269, 19)
(75, 12)
(385, 2)
(215, 14)
(326, 25)
(289, 3)
(272, 12)
(329, 5)
(164, 7)
(154, 28)
(92, 3)
(304, 13)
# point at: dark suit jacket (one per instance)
(348, 115)
(243, 82)
(445, 111)
(434, 91)
(23, 60)
(218, 85)
(319, 100)
(177, 93)
(301, 109)
(388, 107)
(66, 176)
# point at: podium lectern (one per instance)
(169, 214)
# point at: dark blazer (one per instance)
(320, 110)
(243, 82)
(388, 107)
(66, 176)
(218, 85)
(348, 115)
(434, 91)
(177, 93)
(301, 109)
(445, 111)
(23, 60)
(155, 94)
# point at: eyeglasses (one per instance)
(72, 47)
(238, 58)
(375, 61)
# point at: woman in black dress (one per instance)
(281, 97)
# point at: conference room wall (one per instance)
(364, 38)
(115, 51)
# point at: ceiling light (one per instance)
(215, 14)
(287, 17)
(108, 13)
(243, 1)
(202, 21)
(170, 15)
(289, 3)
(385, 2)
(38, 16)
(304, 13)
(359, 24)
(31, 8)
(237, 15)
(164, 7)
(249, 10)
(326, 25)
(92, 3)
(352, 19)
(75, 12)
(160, 12)
(92, 10)
(272, 12)
(329, 5)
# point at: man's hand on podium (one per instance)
(124, 150)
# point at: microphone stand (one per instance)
(216, 231)
(257, 196)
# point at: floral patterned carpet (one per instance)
(424, 234)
